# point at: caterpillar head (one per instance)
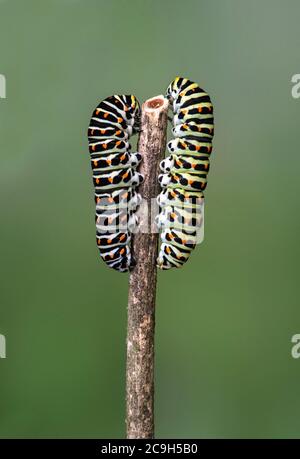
(172, 91)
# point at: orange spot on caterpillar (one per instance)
(118, 132)
(108, 161)
(173, 215)
(98, 200)
(122, 251)
(110, 179)
(105, 115)
(92, 132)
(199, 109)
(97, 180)
(104, 146)
(124, 176)
(94, 147)
(206, 165)
(109, 241)
(125, 195)
(110, 199)
(118, 143)
(97, 111)
(102, 131)
(120, 120)
(98, 241)
(121, 238)
(168, 250)
(197, 147)
(190, 182)
(193, 166)
(123, 157)
(95, 163)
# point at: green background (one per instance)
(225, 321)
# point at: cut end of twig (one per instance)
(155, 102)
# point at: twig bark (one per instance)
(142, 282)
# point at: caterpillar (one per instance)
(115, 177)
(185, 172)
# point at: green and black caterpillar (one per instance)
(115, 177)
(185, 172)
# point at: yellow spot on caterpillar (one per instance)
(173, 215)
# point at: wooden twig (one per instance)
(142, 282)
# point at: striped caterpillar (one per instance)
(185, 172)
(115, 178)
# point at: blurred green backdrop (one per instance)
(225, 321)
